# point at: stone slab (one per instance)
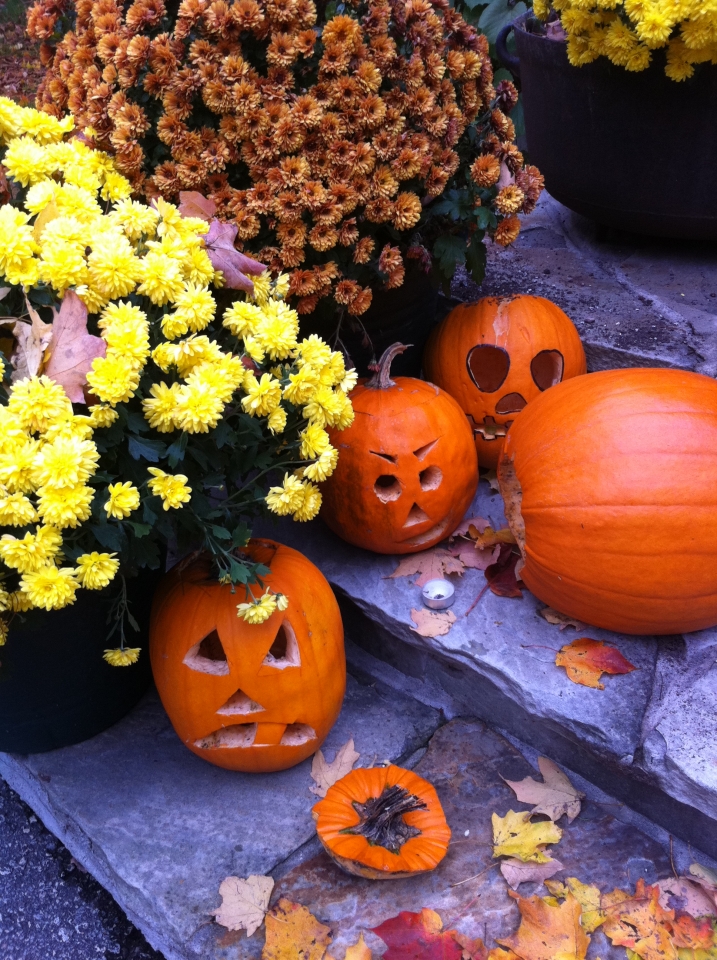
(466, 761)
(498, 663)
(637, 301)
(160, 828)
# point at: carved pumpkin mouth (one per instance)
(239, 736)
(488, 429)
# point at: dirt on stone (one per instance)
(20, 67)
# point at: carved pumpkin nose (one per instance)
(510, 403)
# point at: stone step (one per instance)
(649, 738)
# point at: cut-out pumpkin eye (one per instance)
(284, 650)
(386, 456)
(430, 478)
(423, 451)
(387, 487)
(510, 403)
(547, 368)
(208, 656)
(488, 367)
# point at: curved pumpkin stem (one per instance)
(382, 820)
(381, 380)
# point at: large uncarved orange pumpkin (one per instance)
(407, 467)
(251, 697)
(610, 484)
(499, 354)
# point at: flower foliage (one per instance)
(228, 392)
(342, 145)
(628, 31)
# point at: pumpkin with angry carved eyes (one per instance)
(498, 354)
(250, 697)
(407, 468)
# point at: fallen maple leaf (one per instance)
(45, 216)
(434, 564)
(498, 953)
(585, 661)
(688, 933)
(326, 774)
(515, 836)
(471, 556)
(548, 932)
(517, 872)
(293, 933)
(359, 951)
(72, 350)
(492, 478)
(194, 204)
(706, 878)
(554, 797)
(501, 575)
(418, 936)
(490, 537)
(587, 896)
(473, 949)
(432, 623)
(219, 242)
(462, 529)
(639, 923)
(560, 619)
(31, 342)
(688, 896)
(244, 903)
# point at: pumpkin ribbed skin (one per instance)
(618, 477)
(521, 326)
(336, 814)
(416, 434)
(286, 705)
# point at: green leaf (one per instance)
(145, 553)
(450, 251)
(147, 449)
(240, 535)
(175, 452)
(496, 15)
(109, 535)
(483, 217)
(220, 533)
(475, 260)
(140, 529)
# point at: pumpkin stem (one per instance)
(382, 820)
(381, 380)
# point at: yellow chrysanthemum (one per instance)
(160, 408)
(95, 570)
(262, 396)
(162, 279)
(277, 421)
(66, 462)
(102, 415)
(311, 502)
(50, 587)
(196, 306)
(258, 611)
(242, 318)
(16, 510)
(123, 499)
(32, 551)
(136, 219)
(173, 490)
(113, 379)
(17, 467)
(199, 407)
(286, 499)
(114, 268)
(38, 402)
(122, 656)
(65, 506)
(322, 468)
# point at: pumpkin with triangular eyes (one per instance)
(250, 697)
(496, 355)
(407, 468)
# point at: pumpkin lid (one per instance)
(386, 818)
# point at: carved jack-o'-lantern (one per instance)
(496, 355)
(407, 467)
(251, 697)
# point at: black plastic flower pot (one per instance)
(55, 687)
(635, 151)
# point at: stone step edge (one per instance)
(626, 782)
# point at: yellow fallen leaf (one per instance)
(515, 836)
(359, 951)
(293, 933)
(587, 896)
(548, 932)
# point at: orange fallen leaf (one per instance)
(418, 936)
(462, 529)
(691, 934)
(72, 350)
(434, 564)
(548, 931)
(639, 923)
(432, 623)
(585, 661)
(195, 204)
(293, 933)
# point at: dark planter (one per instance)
(55, 688)
(636, 151)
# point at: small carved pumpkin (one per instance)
(251, 697)
(496, 355)
(609, 489)
(407, 467)
(384, 823)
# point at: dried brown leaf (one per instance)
(687, 896)
(219, 241)
(554, 797)
(326, 774)
(434, 564)
(517, 872)
(473, 558)
(72, 350)
(32, 340)
(561, 620)
(432, 623)
(244, 902)
(462, 529)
